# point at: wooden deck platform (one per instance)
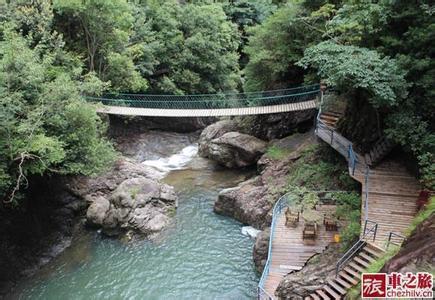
(393, 192)
(290, 252)
(241, 111)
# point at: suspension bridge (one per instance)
(209, 105)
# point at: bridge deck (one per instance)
(217, 112)
(291, 252)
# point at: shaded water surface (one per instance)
(200, 256)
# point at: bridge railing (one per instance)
(210, 101)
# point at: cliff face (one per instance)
(417, 253)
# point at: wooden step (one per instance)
(360, 261)
(348, 277)
(352, 272)
(366, 257)
(343, 283)
(315, 297)
(356, 266)
(337, 287)
(331, 292)
(375, 247)
(328, 117)
(322, 295)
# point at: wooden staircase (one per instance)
(349, 275)
(379, 151)
(330, 118)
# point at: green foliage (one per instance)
(103, 29)
(348, 202)
(188, 48)
(315, 171)
(350, 234)
(275, 46)
(246, 13)
(310, 200)
(45, 126)
(277, 153)
(415, 135)
(358, 22)
(348, 209)
(422, 215)
(353, 68)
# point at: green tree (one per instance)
(276, 45)
(100, 30)
(190, 48)
(45, 125)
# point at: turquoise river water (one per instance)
(200, 256)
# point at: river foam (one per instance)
(176, 161)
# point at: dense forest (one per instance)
(377, 54)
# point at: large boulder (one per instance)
(248, 203)
(276, 126)
(261, 249)
(235, 150)
(141, 204)
(318, 270)
(212, 132)
(251, 201)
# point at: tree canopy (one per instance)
(379, 53)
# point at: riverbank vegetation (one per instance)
(378, 55)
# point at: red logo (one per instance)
(374, 285)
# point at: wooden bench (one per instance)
(291, 218)
(310, 231)
(330, 223)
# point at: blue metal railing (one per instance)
(276, 212)
(340, 143)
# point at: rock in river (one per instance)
(141, 204)
(246, 203)
(261, 249)
(234, 149)
(212, 132)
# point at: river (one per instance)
(200, 256)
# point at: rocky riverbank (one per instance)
(128, 198)
(251, 201)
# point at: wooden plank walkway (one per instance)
(291, 252)
(217, 112)
(393, 192)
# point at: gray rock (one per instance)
(246, 203)
(212, 132)
(139, 204)
(313, 276)
(261, 249)
(234, 149)
(97, 211)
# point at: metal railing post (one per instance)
(365, 227)
(376, 230)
